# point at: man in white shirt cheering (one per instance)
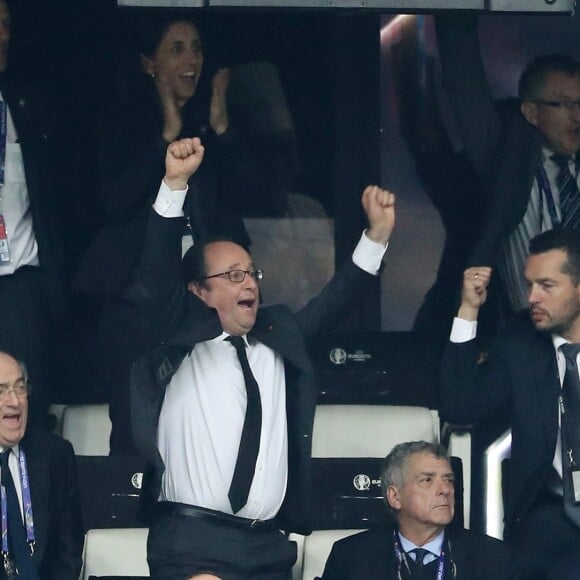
(222, 489)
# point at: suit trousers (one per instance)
(179, 547)
(545, 543)
(25, 332)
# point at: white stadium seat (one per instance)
(115, 552)
(88, 428)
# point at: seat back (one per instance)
(316, 548)
(115, 552)
(369, 430)
(348, 446)
(88, 428)
(494, 456)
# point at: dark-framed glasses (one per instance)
(20, 390)
(562, 105)
(238, 276)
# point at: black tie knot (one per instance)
(570, 351)
(420, 555)
(238, 342)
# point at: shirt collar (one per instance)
(434, 546)
(547, 154)
(558, 341)
(14, 449)
(224, 336)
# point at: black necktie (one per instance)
(570, 430)
(250, 439)
(19, 548)
(569, 195)
(420, 555)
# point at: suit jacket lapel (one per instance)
(276, 328)
(546, 386)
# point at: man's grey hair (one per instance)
(395, 465)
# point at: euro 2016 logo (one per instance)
(337, 356)
(362, 482)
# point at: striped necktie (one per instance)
(569, 195)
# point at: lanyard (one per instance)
(402, 558)
(26, 504)
(3, 135)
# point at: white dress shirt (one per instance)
(15, 206)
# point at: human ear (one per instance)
(393, 498)
(530, 112)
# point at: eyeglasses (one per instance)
(20, 390)
(237, 276)
(567, 106)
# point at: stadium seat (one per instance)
(314, 552)
(115, 553)
(88, 428)
(369, 430)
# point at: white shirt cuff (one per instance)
(463, 330)
(368, 255)
(169, 203)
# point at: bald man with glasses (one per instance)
(223, 410)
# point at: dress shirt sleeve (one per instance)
(368, 255)
(463, 330)
(169, 203)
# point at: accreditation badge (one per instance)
(10, 568)
(4, 246)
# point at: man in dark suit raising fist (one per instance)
(219, 509)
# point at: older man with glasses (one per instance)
(42, 535)
(223, 411)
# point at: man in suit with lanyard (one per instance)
(417, 483)
(42, 535)
(530, 376)
(223, 488)
(30, 247)
(524, 156)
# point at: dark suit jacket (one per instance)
(185, 321)
(55, 506)
(370, 555)
(503, 149)
(520, 378)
